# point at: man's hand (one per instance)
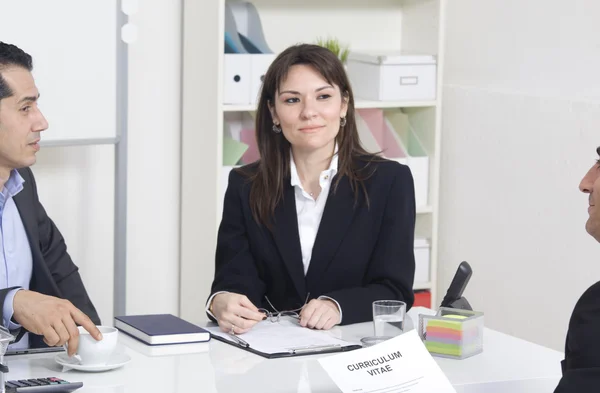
(320, 314)
(55, 319)
(235, 312)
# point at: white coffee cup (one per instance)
(96, 353)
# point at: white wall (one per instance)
(76, 183)
(76, 187)
(201, 153)
(521, 122)
(154, 159)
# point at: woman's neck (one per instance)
(310, 165)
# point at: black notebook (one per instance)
(160, 329)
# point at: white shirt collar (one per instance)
(329, 172)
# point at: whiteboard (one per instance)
(74, 48)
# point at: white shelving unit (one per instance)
(387, 25)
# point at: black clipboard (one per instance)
(302, 351)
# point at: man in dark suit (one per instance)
(581, 367)
(41, 291)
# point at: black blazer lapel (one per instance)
(337, 217)
(287, 238)
(24, 206)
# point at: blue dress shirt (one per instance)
(16, 263)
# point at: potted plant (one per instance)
(334, 45)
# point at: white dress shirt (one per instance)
(16, 261)
(309, 209)
(310, 212)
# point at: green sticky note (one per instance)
(456, 325)
(450, 321)
(444, 349)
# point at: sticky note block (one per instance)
(453, 316)
(455, 335)
(444, 349)
(445, 324)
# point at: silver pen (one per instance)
(315, 348)
(239, 340)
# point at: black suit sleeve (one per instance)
(391, 269)
(235, 268)
(583, 380)
(54, 250)
(581, 367)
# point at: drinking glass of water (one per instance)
(389, 317)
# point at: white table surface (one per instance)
(546, 385)
(507, 364)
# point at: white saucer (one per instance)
(116, 360)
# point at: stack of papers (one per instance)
(284, 338)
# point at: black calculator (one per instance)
(42, 385)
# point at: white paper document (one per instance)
(399, 365)
(285, 336)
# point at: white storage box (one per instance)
(392, 77)
(260, 63)
(237, 78)
(243, 76)
(422, 252)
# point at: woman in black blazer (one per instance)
(317, 225)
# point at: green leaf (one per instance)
(334, 46)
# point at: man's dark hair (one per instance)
(11, 56)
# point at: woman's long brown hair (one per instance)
(268, 179)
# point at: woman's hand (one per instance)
(322, 314)
(235, 313)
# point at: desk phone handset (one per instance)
(454, 297)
